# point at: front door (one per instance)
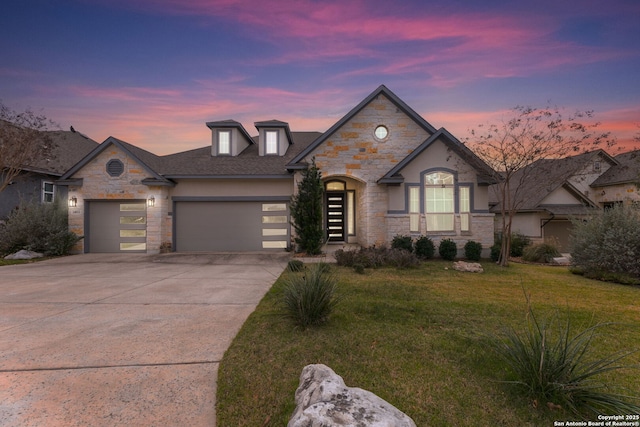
(335, 203)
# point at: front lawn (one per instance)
(418, 339)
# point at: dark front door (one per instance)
(335, 202)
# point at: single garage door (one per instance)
(119, 226)
(230, 226)
(559, 232)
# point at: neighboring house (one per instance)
(386, 171)
(551, 192)
(36, 182)
(619, 184)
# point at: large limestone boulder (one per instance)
(323, 400)
(471, 267)
(24, 254)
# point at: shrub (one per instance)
(424, 248)
(518, 242)
(310, 297)
(608, 242)
(400, 258)
(495, 252)
(295, 265)
(402, 242)
(358, 268)
(448, 249)
(542, 252)
(473, 250)
(550, 363)
(39, 228)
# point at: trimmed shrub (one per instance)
(608, 242)
(550, 363)
(473, 250)
(402, 242)
(424, 248)
(310, 297)
(542, 253)
(448, 249)
(37, 227)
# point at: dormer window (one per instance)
(224, 142)
(271, 142)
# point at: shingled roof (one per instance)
(626, 171)
(532, 184)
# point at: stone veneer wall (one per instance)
(99, 185)
(482, 230)
(353, 151)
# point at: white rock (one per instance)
(24, 254)
(323, 400)
(472, 267)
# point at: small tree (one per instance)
(306, 211)
(529, 135)
(22, 142)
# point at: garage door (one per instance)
(559, 232)
(117, 226)
(230, 226)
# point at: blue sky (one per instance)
(152, 72)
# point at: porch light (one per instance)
(151, 202)
(73, 202)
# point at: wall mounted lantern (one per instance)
(151, 202)
(73, 202)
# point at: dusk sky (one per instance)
(152, 72)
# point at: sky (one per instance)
(152, 72)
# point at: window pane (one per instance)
(335, 186)
(464, 199)
(133, 220)
(133, 233)
(280, 244)
(464, 222)
(125, 207)
(438, 178)
(274, 219)
(274, 207)
(351, 213)
(274, 231)
(133, 246)
(271, 140)
(439, 222)
(224, 142)
(439, 199)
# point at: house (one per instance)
(550, 192)
(36, 182)
(385, 169)
(619, 184)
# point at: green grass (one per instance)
(418, 338)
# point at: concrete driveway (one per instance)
(122, 340)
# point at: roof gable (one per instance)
(147, 160)
(486, 175)
(381, 90)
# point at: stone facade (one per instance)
(99, 185)
(354, 152)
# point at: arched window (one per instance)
(439, 201)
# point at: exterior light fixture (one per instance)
(151, 202)
(73, 202)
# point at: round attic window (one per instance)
(381, 132)
(115, 167)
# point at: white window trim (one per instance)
(45, 192)
(275, 148)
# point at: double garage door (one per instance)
(199, 226)
(230, 226)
